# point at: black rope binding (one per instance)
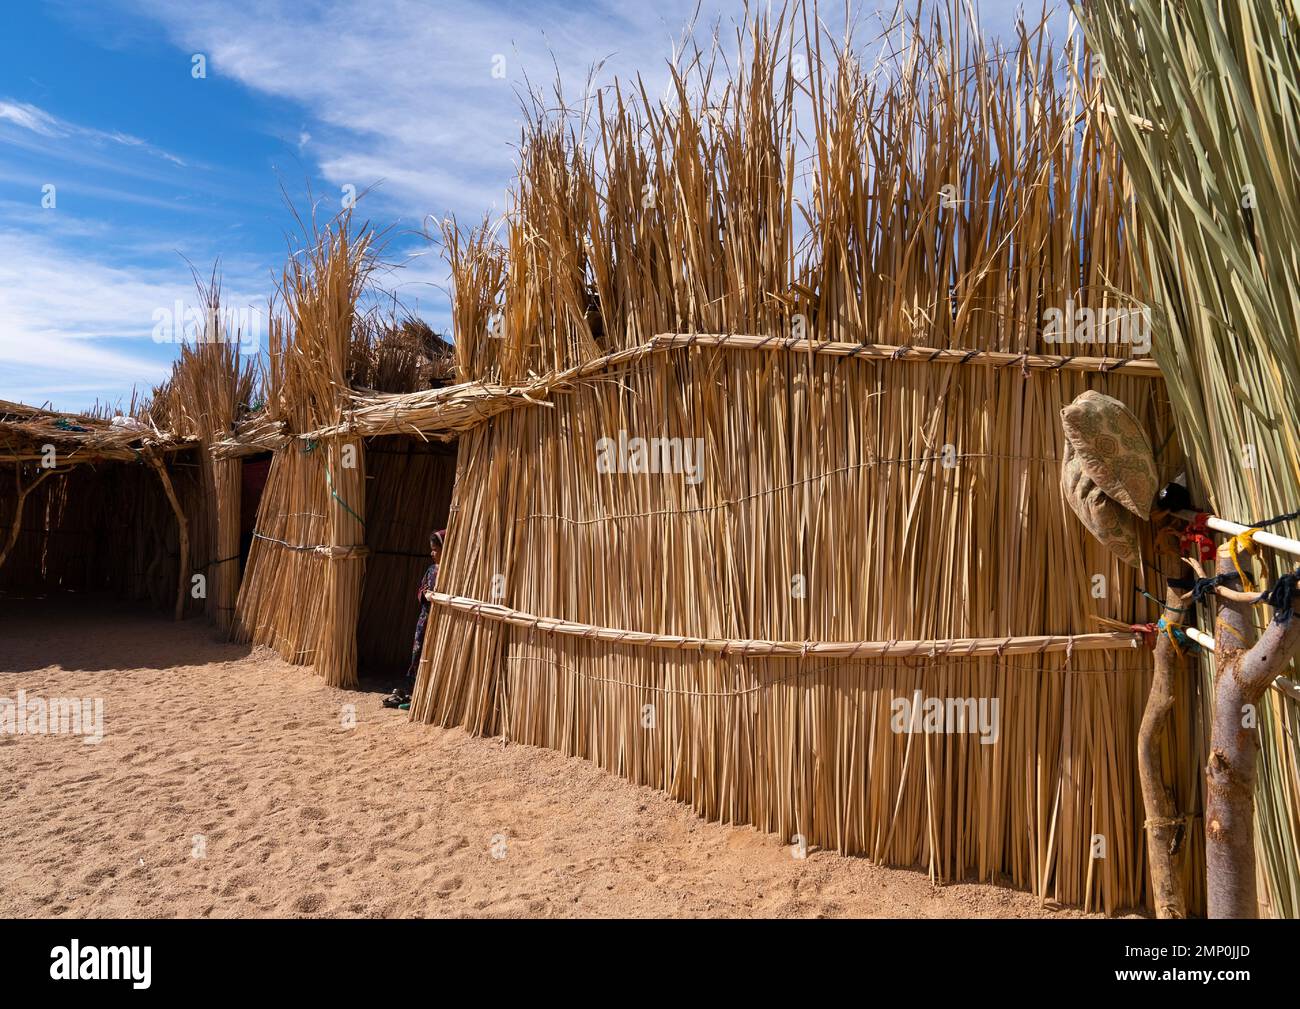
(1202, 587)
(1280, 596)
(1275, 520)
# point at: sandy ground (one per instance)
(297, 815)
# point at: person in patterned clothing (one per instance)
(401, 697)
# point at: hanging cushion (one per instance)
(1113, 450)
(1104, 518)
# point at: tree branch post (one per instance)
(1244, 668)
(183, 529)
(19, 504)
(1166, 830)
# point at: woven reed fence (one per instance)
(285, 563)
(90, 502)
(208, 392)
(927, 212)
(408, 493)
(862, 533)
(327, 583)
(106, 528)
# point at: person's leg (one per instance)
(417, 648)
(402, 695)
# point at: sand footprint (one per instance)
(309, 903)
(97, 876)
(448, 886)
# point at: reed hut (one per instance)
(760, 436)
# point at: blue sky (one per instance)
(153, 168)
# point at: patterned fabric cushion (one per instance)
(1105, 519)
(1113, 450)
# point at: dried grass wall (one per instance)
(301, 593)
(343, 524)
(861, 533)
(408, 494)
(209, 392)
(281, 600)
(946, 198)
(107, 527)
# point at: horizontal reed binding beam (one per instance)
(963, 647)
(89, 456)
(1144, 366)
(465, 406)
(342, 553)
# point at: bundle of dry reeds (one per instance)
(210, 390)
(478, 263)
(302, 591)
(398, 355)
(947, 198)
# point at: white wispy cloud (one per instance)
(423, 103)
(73, 324)
(36, 120)
(405, 93)
(29, 117)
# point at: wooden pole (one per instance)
(1166, 830)
(183, 532)
(1280, 683)
(1244, 669)
(23, 492)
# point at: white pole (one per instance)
(1263, 537)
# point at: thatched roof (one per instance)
(25, 431)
